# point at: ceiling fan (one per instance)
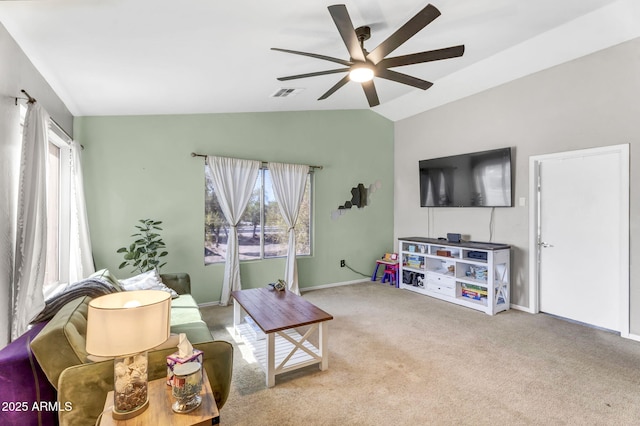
(363, 65)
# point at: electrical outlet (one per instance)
(342, 263)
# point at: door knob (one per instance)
(545, 245)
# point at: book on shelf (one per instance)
(475, 288)
(470, 295)
(413, 261)
(480, 292)
(473, 294)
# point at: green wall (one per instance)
(140, 167)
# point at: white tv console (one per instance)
(471, 274)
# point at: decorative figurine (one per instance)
(279, 285)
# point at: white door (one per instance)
(583, 236)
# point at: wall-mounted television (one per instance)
(478, 179)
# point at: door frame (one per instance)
(534, 225)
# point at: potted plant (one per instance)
(145, 252)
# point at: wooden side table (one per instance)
(160, 412)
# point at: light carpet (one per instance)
(400, 358)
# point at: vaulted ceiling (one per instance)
(122, 57)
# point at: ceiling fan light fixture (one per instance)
(362, 65)
(361, 74)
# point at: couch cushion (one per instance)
(186, 318)
(61, 343)
(184, 309)
(196, 332)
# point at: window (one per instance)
(262, 231)
(52, 270)
(58, 178)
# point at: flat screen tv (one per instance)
(478, 179)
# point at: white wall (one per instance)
(589, 102)
(16, 73)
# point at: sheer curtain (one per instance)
(233, 180)
(31, 232)
(80, 254)
(289, 181)
(10, 147)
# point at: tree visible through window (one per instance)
(262, 231)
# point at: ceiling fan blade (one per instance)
(338, 85)
(312, 74)
(404, 33)
(403, 78)
(418, 58)
(347, 32)
(371, 93)
(313, 55)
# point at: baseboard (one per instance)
(629, 336)
(522, 308)
(340, 284)
(302, 290)
(632, 337)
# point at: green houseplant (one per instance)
(145, 252)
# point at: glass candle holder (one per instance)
(186, 387)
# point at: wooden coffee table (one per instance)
(277, 314)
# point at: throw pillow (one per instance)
(147, 281)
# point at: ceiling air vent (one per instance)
(284, 92)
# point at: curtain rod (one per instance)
(32, 100)
(264, 163)
(29, 98)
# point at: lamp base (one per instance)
(130, 414)
(130, 396)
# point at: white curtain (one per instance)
(233, 180)
(31, 232)
(289, 181)
(80, 254)
(10, 148)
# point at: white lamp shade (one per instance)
(128, 322)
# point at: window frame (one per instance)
(263, 211)
(63, 143)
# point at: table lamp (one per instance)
(125, 325)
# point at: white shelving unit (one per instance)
(471, 274)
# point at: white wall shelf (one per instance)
(471, 274)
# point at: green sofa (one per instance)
(82, 385)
